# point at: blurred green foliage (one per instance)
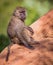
(4, 41)
(35, 9)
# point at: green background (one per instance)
(35, 9)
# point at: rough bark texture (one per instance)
(43, 52)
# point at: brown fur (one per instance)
(17, 30)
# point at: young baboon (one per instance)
(17, 29)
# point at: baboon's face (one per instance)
(20, 12)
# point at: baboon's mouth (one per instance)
(23, 16)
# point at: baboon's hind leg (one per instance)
(22, 40)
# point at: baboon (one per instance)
(17, 30)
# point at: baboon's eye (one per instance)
(22, 11)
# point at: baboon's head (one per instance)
(20, 12)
